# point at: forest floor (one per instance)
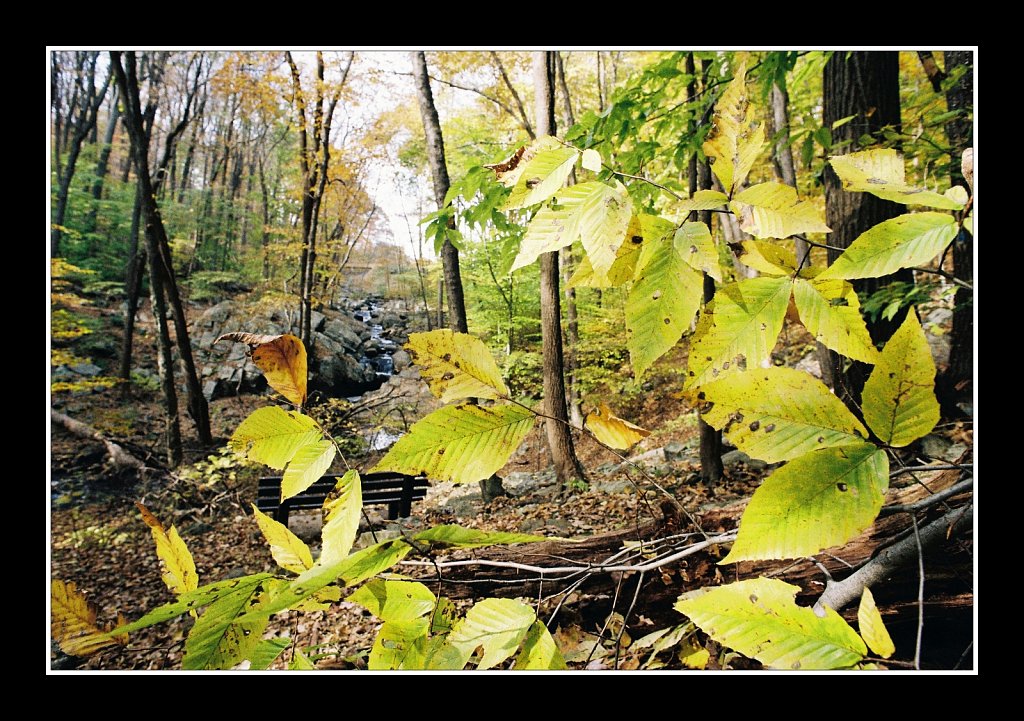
(98, 539)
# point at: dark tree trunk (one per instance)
(711, 468)
(955, 384)
(165, 360)
(439, 174)
(133, 287)
(864, 84)
(103, 162)
(158, 248)
(563, 455)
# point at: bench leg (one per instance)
(393, 509)
(281, 514)
(406, 508)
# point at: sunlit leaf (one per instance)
(542, 175)
(591, 160)
(662, 302)
(73, 622)
(901, 242)
(288, 550)
(462, 443)
(899, 397)
(394, 600)
(459, 537)
(772, 210)
(817, 501)
(282, 358)
(768, 258)
(272, 436)
(760, 619)
(307, 466)
(830, 310)
(219, 640)
(777, 414)
(539, 651)
(498, 625)
(179, 568)
(456, 365)
(266, 652)
(696, 247)
(736, 136)
(739, 328)
(342, 511)
(701, 200)
(612, 430)
(621, 270)
(300, 662)
(881, 173)
(872, 628)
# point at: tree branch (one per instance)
(839, 594)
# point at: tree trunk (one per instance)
(864, 84)
(711, 468)
(103, 163)
(439, 174)
(165, 361)
(955, 384)
(158, 249)
(133, 287)
(563, 455)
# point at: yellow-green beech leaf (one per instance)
(539, 651)
(193, 600)
(321, 600)
(456, 365)
(881, 173)
(736, 136)
(605, 218)
(696, 247)
(342, 510)
(266, 652)
(394, 600)
(900, 242)
(768, 258)
(462, 443)
(612, 430)
(701, 200)
(220, 639)
(556, 225)
(400, 645)
(508, 171)
(817, 501)
(288, 550)
(760, 619)
(739, 328)
(663, 300)
(282, 358)
(958, 194)
(621, 270)
(591, 160)
(300, 662)
(542, 176)
(899, 396)
(772, 210)
(777, 414)
(969, 223)
(498, 625)
(272, 436)
(450, 535)
(73, 622)
(830, 310)
(179, 568)
(307, 466)
(872, 629)
(351, 570)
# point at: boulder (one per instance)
(401, 359)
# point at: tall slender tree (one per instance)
(563, 454)
(158, 248)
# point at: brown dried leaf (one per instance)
(282, 358)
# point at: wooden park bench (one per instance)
(398, 491)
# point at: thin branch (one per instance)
(948, 276)
(625, 619)
(925, 469)
(924, 503)
(523, 118)
(920, 594)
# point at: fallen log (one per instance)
(120, 459)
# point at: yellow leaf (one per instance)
(736, 136)
(591, 160)
(282, 358)
(342, 510)
(612, 430)
(288, 550)
(872, 629)
(73, 622)
(456, 365)
(179, 568)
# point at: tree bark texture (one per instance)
(864, 84)
(563, 454)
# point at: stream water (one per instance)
(377, 357)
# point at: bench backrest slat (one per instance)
(396, 490)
